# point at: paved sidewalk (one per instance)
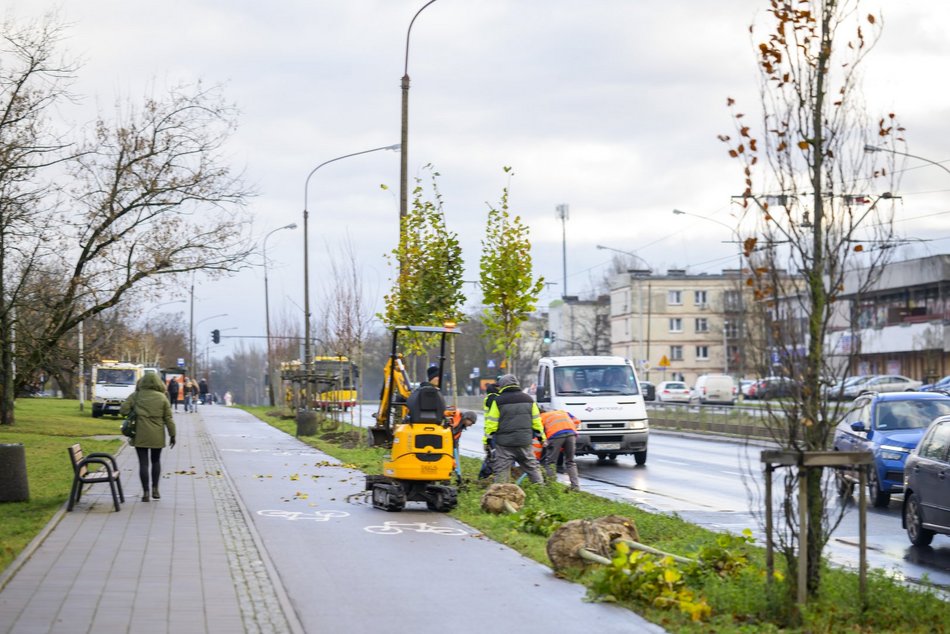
(258, 532)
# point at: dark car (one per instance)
(927, 485)
(648, 390)
(774, 387)
(888, 425)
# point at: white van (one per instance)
(716, 388)
(604, 393)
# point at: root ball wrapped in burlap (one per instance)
(594, 535)
(503, 498)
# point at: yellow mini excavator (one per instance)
(414, 426)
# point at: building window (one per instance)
(702, 324)
(731, 328)
(702, 353)
(676, 353)
(699, 298)
(676, 324)
(674, 298)
(732, 301)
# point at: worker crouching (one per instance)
(560, 429)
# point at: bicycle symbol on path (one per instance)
(316, 516)
(395, 528)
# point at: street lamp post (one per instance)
(870, 149)
(270, 360)
(306, 263)
(644, 352)
(404, 139)
(725, 345)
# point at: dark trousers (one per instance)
(144, 453)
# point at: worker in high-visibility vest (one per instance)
(560, 429)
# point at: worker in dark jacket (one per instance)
(511, 421)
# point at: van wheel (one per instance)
(601, 456)
(640, 457)
(612, 457)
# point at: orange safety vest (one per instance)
(556, 422)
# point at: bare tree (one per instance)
(821, 223)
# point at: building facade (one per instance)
(679, 325)
(899, 324)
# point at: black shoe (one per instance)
(145, 497)
(155, 494)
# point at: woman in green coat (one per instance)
(153, 414)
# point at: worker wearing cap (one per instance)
(560, 428)
(511, 420)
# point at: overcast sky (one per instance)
(609, 106)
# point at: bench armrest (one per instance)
(94, 459)
(110, 457)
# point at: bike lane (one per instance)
(346, 566)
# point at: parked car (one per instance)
(886, 383)
(926, 509)
(744, 386)
(648, 390)
(942, 384)
(889, 425)
(672, 392)
(836, 392)
(774, 387)
(716, 388)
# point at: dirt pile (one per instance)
(594, 535)
(503, 498)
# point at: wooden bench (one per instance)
(109, 472)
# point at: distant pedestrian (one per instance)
(153, 414)
(203, 391)
(228, 398)
(511, 421)
(173, 388)
(191, 396)
(560, 429)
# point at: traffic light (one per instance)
(216, 336)
(548, 338)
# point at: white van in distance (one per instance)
(716, 388)
(604, 393)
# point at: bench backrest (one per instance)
(75, 454)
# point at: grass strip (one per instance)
(46, 427)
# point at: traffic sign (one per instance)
(491, 363)
(664, 362)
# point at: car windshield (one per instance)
(676, 386)
(910, 414)
(595, 379)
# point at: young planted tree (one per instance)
(826, 217)
(510, 292)
(428, 287)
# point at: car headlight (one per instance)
(889, 452)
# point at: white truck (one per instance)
(604, 393)
(112, 383)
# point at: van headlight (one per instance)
(638, 424)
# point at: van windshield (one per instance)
(112, 376)
(595, 379)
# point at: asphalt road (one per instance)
(714, 482)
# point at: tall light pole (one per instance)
(404, 139)
(306, 263)
(725, 346)
(270, 355)
(644, 351)
(563, 211)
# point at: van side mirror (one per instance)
(542, 394)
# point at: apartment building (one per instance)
(679, 325)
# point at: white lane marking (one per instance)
(316, 516)
(681, 464)
(394, 528)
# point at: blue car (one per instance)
(942, 384)
(889, 425)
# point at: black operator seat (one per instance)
(426, 405)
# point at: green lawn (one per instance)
(730, 594)
(47, 427)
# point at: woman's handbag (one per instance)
(128, 425)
